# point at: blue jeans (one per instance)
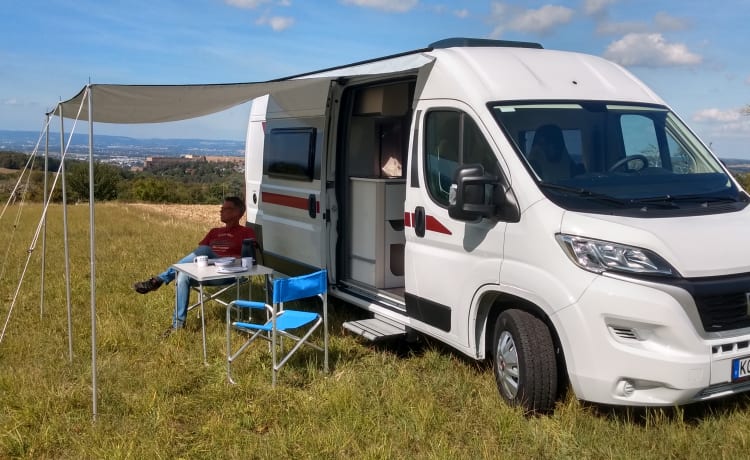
(184, 282)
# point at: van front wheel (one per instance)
(523, 360)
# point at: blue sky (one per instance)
(694, 53)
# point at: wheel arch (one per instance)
(491, 304)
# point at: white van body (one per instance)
(417, 181)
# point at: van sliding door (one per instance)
(291, 202)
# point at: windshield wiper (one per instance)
(674, 199)
(584, 193)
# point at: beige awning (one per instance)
(128, 104)
(163, 103)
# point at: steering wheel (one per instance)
(622, 161)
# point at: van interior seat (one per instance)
(549, 156)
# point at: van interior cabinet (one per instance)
(377, 231)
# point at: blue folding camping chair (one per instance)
(280, 322)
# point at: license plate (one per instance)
(740, 368)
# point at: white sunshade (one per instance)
(128, 104)
(162, 103)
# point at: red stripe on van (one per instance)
(288, 201)
(431, 224)
(434, 225)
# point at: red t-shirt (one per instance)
(227, 242)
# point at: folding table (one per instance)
(203, 275)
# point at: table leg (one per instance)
(237, 282)
(203, 323)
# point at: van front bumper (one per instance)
(642, 344)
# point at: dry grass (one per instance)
(156, 399)
(207, 214)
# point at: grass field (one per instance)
(156, 398)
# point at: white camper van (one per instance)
(539, 208)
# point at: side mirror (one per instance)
(471, 194)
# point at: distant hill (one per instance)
(736, 165)
(111, 146)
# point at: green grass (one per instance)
(156, 398)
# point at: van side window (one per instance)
(290, 153)
(452, 139)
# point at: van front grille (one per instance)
(723, 311)
(723, 302)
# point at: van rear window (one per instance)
(291, 153)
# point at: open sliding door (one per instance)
(290, 204)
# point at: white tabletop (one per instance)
(211, 272)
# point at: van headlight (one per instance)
(599, 256)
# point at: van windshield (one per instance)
(604, 157)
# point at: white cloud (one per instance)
(596, 7)
(747, 80)
(248, 4)
(541, 21)
(665, 22)
(621, 28)
(398, 6)
(285, 2)
(650, 50)
(661, 22)
(277, 23)
(442, 9)
(497, 15)
(464, 13)
(728, 127)
(717, 115)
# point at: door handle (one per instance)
(312, 205)
(419, 221)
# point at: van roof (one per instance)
(452, 42)
(491, 70)
(484, 74)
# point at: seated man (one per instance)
(219, 242)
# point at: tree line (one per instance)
(195, 182)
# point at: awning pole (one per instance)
(92, 248)
(65, 234)
(44, 215)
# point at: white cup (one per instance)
(201, 261)
(247, 262)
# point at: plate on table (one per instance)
(230, 269)
(223, 261)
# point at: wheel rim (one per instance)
(507, 365)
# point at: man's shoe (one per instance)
(170, 330)
(151, 284)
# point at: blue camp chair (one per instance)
(279, 321)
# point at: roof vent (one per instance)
(463, 41)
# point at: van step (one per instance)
(375, 329)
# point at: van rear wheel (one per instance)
(523, 360)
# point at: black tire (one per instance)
(523, 361)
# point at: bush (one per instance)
(744, 180)
(106, 179)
